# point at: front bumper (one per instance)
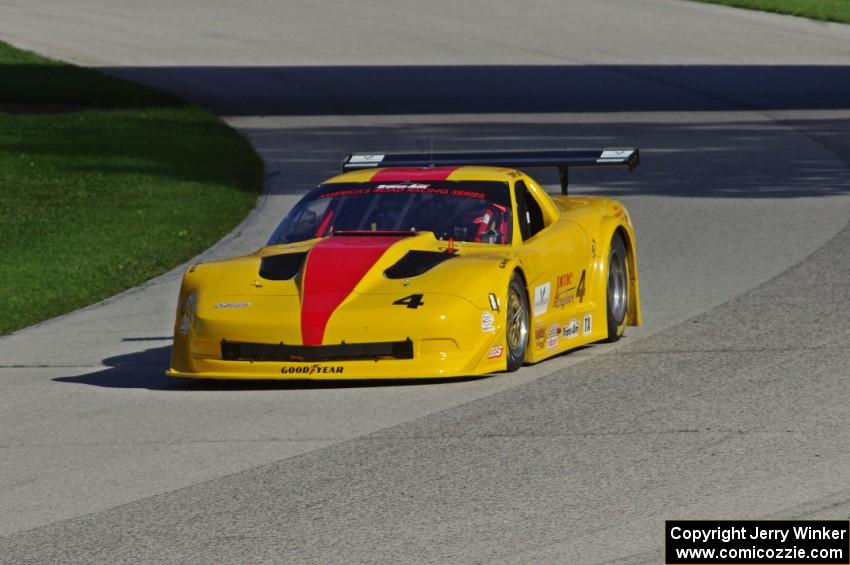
(431, 358)
(445, 340)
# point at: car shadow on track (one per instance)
(146, 369)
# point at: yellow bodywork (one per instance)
(451, 332)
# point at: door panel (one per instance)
(554, 259)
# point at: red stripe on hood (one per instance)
(401, 174)
(334, 267)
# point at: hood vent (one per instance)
(281, 267)
(415, 263)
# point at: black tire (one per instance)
(617, 289)
(517, 323)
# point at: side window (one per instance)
(529, 211)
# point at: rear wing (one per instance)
(562, 159)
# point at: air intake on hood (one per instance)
(414, 263)
(281, 267)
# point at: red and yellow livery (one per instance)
(431, 268)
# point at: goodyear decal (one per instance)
(313, 369)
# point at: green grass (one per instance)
(826, 10)
(104, 184)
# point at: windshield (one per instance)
(477, 211)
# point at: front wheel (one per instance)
(618, 288)
(516, 327)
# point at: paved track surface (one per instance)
(731, 401)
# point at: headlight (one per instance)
(188, 313)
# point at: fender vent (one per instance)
(281, 267)
(415, 263)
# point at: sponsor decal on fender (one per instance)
(564, 291)
(552, 336)
(539, 337)
(495, 352)
(312, 369)
(488, 322)
(588, 324)
(542, 294)
(571, 329)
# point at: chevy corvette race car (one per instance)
(410, 266)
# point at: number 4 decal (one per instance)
(412, 301)
(580, 289)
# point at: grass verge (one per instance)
(826, 10)
(105, 184)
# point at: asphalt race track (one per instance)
(731, 402)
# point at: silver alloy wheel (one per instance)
(517, 322)
(618, 286)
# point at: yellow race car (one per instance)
(409, 266)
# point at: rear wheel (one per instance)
(618, 288)
(516, 327)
